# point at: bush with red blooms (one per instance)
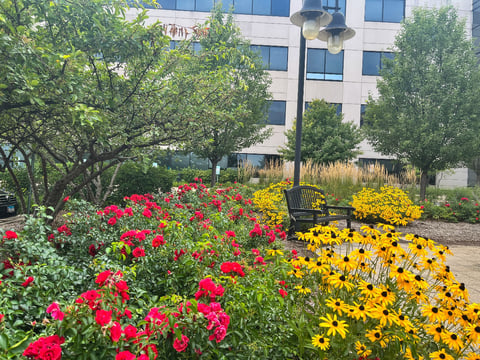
(99, 323)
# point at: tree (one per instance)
(234, 117)
(325, 137)
(426, 113)
(83, 89)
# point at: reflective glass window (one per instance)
(204, 5)
(166, 4)
(276, 112)
(262, 7)
(243, 7)
(322, 65)
(393, 10)
(185, 4)
(278, 58)
(281, 7)
(372, 62)
(384, 10)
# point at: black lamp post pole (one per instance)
(298, 134)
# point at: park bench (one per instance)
(308, 205)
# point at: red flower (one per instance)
(10, 235)
(1, 317)
(125, 355)
(103, 277)
(218, 334)
(181, 345)
(282, 292)
(65, 199)
(45, 348)
(115, 332)
(112, 221)
(157, 241)
(55, 311)
(147, 213)
(28, 281)
(138, 252)
(103, 317)
(130, 332)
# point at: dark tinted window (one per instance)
(322, 65)
(384, 10)
(274, 57)
(276, 113)
(372, 62)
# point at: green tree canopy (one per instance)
(233, 117)
(325, 137)
(82, 89)
(427, 111)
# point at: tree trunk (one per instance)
(423, 185)
(214, 172)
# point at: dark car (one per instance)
(8, 203)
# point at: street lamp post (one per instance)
(311, 17)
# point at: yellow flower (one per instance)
(473, 331)
(441, 355)
(376, 335)
(362, 349)
(303, 290)
(274, 252)
(452, 340)
(337, 305)
(334, 325)
(472, 356)
(340, 281)
(321, 342)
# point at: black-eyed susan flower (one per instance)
(441, 355)
(433, 313)
(436, 330)
(368, 290)
(303, 290)
(472, 356)
(376, 336)
(473, 331)
(321, 342)
(362, 349)
(385, 296)
(337, 305)
(359, 311)
(452, 340)
(346, 263)
(340, 281)
(409, 356)
(274, 252)
(334, 325)
(383, 315)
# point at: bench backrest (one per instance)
(306, 197)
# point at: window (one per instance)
(372, 62)
(329, 5)
(363, 109)
(254, 7)
(256, 160)
(384, 10)
(274, 57)
(276, 113)
(321, 65)
(195, 45)
(337, 106)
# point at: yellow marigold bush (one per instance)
(390, 205)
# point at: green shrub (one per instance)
(133, 178)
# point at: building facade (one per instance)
(345, 79)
